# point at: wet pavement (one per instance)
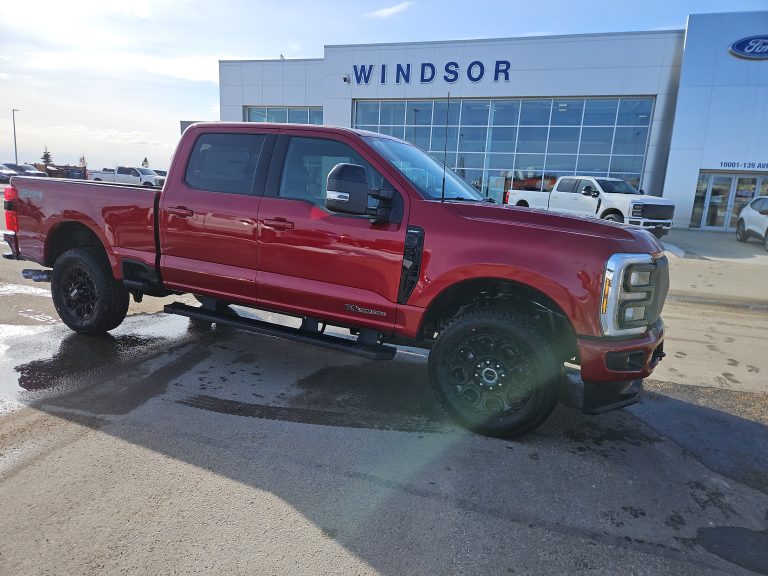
(350, 466)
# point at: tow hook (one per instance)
(37, 275)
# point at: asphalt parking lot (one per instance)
(168, 447)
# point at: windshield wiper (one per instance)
(464, 199)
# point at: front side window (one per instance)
(308, 162)
(224, 162)
(617, 187)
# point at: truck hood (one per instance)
(644, 198)
(628, 239)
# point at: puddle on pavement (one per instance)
(38, 358)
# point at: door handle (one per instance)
(180, 211)
(278, 223)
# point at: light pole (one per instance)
(15, 151)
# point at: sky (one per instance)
(112, 79)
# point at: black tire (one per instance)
(523, 204)
(481, 352)
(148, 185)
(741, 232)
(614, 218)
(86, 295)
(659, 232)
(765, 240)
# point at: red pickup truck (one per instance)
(368, 233)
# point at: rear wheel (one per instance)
(86, 295)
(741, 232)
(494, 373)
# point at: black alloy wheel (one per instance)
(494, 373)
(78, 292)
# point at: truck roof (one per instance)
(288, 127)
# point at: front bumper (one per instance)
(613, 369)
(663, 226)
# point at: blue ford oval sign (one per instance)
(754, 48)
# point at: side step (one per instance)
(370, 351)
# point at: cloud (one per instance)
(391, 11)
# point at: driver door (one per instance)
(313, 262)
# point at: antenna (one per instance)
(445, 147)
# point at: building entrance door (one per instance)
(721, 197)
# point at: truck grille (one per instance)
(658, 211)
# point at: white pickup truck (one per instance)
(598, 197)
(128, 175)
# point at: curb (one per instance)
(675, 250)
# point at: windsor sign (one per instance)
(427, 72)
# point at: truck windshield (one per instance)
(617, 187)
(147, 171)
(423, 171)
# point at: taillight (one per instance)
(506, 196)
(11, 218)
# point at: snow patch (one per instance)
(21, 290)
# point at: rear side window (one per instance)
(225, 162)
(566, 185)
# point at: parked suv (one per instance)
(753, 221)
(25, 169)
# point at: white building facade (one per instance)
(682, 114)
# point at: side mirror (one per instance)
(641, 191)
(347, 189)
(764, 212)
(588, 191)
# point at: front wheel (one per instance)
(765, 239)
(494, 373)
(614, 218)
(741, 232)
(86, 295)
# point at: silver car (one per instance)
(753, 221)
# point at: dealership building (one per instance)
(678, 113)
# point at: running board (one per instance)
(370, 351)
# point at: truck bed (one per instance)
(121, 216)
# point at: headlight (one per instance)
(629, 294)
(637, 210)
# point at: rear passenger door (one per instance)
(562, 198)
(319, 263)
(208, 215)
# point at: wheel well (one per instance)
(522, 203)
(541, 310)
(611, 211)
(69, 235)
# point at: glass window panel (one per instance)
(532, 139)
(257, 114)
(567, 112)
(298, 115)
(600, 112)
(635, 112)
(445, 113)
(392, 113)
(505, 112)
(450, 158)
(593, 164)
(563, 140)
(418, 135)
(501, 161)
(561, 163)
(596, 140)
(764, 186)
(396, 131)
(472, 139)
(527, 180)
(633, 179)
(529, 162)
(496, 183)
(502, 139)
(473, 177)
(470, 160)
(474, 112)
(630, 140)
(438, 138)
(315, 115)
(535, 112)
(419, 113)
(277, 115)
(626, 163)
(367, 113)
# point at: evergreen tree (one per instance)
(46, 157)
(145, 163)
